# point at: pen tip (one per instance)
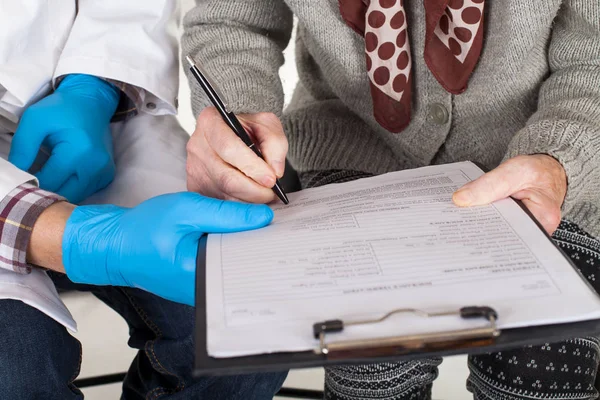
(280, 193)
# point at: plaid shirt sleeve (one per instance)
(130, 96)
(18, 212)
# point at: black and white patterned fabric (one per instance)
(557, 371)
(403, 380)
(565, 370)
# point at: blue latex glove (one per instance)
(73, 123)
(152, 246)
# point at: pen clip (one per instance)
(208, 81)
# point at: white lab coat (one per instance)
(132, 41)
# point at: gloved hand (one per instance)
(152, 246)
(73, 123)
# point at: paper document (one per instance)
(361, 249)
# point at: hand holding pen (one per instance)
(231, 158)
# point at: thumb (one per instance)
(220, 216)
(58, 168)
(497, 184)
(25, 144)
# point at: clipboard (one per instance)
(391, 349)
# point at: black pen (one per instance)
(230, 118)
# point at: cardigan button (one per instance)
(438, 114)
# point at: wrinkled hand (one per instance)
(152, 246)
(539, 181)
(73, 123)
(220, 165)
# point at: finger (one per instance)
(26, 143)
(497, 184)
(198, 180)
(232, 150)
(231, 183)
(545, 209)
(100, 181)
(105, 175)
(204, 186)
(58, 168)
(549, 217)
(211, 176)
(220, 216)
(270, 138)
(73, 189)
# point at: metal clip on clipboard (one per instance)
(321, 329)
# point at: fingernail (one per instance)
(267, 181)
(463, 197)
(279, 167)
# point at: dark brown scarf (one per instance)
(453, 41)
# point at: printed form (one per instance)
(361, 249)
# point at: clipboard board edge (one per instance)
(509, 338)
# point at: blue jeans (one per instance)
(39, 359)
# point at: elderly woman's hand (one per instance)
(539, 181)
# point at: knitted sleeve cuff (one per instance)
(577, 147)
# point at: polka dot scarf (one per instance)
(453, 41)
